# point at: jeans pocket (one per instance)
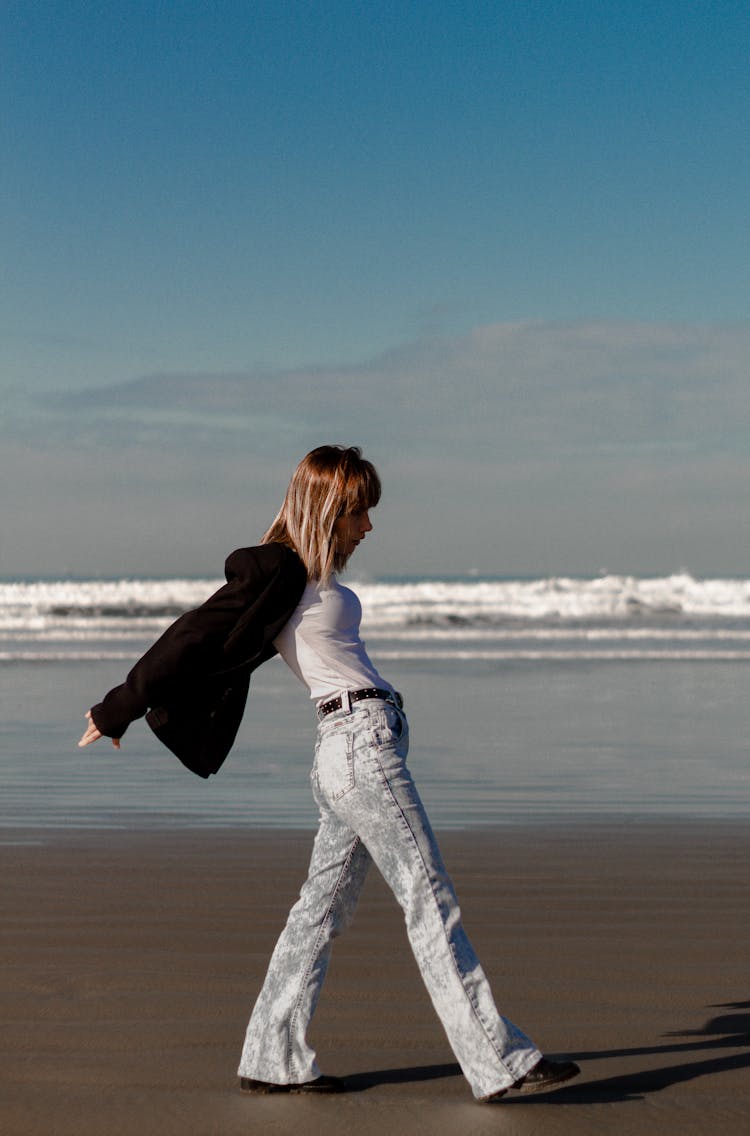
(335, 764)
(390, 729)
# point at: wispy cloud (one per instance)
(519, 388)
(538, 447)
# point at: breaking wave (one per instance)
(616, 616)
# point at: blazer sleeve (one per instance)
(232, 628)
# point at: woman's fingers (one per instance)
(92, 734)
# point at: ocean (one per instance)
(528, 701)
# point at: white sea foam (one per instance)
(605, 616)
(560, 598)
(393, 604)
(558, 656)
(66, 656)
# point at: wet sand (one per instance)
(130, 961)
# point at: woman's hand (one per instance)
(93, 735)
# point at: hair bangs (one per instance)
(361, 491)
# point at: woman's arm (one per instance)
(229, 629)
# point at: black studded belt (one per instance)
(359, 696)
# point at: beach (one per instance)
(130, 961)
(581, 747)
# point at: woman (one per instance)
(369, 811)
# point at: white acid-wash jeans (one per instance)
(370, 810)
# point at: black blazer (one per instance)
(194, 680)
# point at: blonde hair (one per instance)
(330, 482)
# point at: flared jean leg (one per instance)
(374, 794)
(276, 1047)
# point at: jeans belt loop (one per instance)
(346, 702)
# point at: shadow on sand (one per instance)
(723, 1032)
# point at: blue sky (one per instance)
(503, 246)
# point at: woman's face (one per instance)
(350, 530)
